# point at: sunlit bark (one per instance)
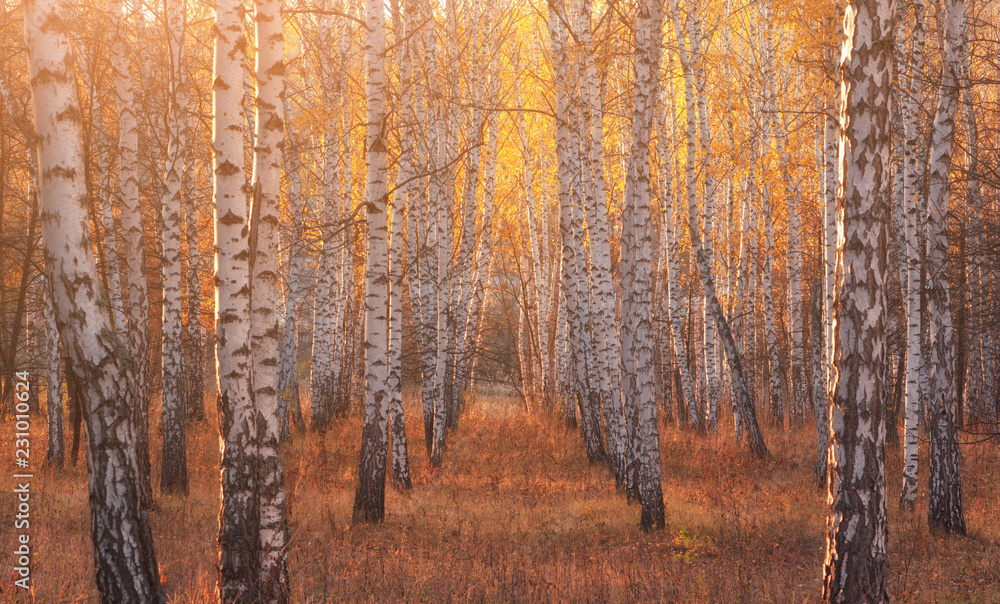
(856, 566)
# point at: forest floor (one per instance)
(517, 514)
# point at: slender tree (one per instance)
(173, 474)
(137, 304)
(945, 510)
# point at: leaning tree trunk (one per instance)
(124, 556)
(369, 501)
(269, 134)
(739, 384)
(856, 565)
(945, 509)
(173, 475)
(239, 520)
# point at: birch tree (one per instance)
(945, 510)
(288, 381)
(239, 522)
(856, 565)
(173, 475)
(135, 264)
(912, 207)
(269, 133)
(56, 452)
(637, 271)
(124, 556)
(369, 501)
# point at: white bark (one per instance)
(269, 137)
(134, 253)
(912, 192)
(173, 476)
(856, 565)
(369, 502)
(945, 511)
(239, 520)
(637, 271)
(288, 386)
(53, 382)
(126, 564)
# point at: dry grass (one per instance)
(517, 514)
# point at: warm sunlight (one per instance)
(512, 300)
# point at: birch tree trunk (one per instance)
(638, 342)
(135, 264)
(945, 509)
(819, 385)
(194, 364)
(369, 501)
(56, 453)
(288, 378)
(239, 538)
(606, 337)
(856, 566)
(670, 226)
(740, 391)
(708, 205)
(912, 207)
(124, 556)
(269, 137)
(329, 290)
(173, 475)
(976, 390)
(400, 456)
(830, 232)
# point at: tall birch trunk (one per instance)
(56, 453)
(637, 271)
(269, 137)
(239, 539)
(194, 363)
(945, 509)
(606, 337)
(123, 551)
(288, 374)
(173, 476)
(856, 565)
(400, 456)
(135, 264)
(912, 192)
(708, 206)
(369, 501)
(819, 385)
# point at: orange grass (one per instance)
(517, 514)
